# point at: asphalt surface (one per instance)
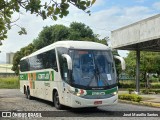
(13, 100)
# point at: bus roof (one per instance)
(71, 44)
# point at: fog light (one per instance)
(115, 93)
(78, 94)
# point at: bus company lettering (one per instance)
(98, 93)
(43, 76)
(21, 77)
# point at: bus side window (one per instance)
(24, 65)
(49, 60)
(52, 60)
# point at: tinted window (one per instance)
(24, 66)
(49, 60)
(42, 61)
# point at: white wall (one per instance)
(141, 31)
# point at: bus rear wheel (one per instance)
(56, 101)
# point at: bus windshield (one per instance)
(93, 68)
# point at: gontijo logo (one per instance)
(43, 76)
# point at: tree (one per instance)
(50, 9)
(50, 35)
(149, 63)
(79, 31)
(19, 54)
(131, 64)
(76, 31)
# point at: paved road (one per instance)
(13, 100)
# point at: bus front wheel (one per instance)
(56, 101)
(28, 96)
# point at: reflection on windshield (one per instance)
(93, 68)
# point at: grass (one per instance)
(155, 83)
(9, 82)
(127, 81)
(146, 98)
(134, 81)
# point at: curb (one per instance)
(150, 104)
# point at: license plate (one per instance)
(97, 102)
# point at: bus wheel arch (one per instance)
(56, 102)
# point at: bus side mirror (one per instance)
(69, 61)
(123, 64)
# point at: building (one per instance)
(9, 57)
(5, 70)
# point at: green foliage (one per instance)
(76, 31)
(79, 31)
(130, 90)
(155, 85)
(131, 64)
(9, 83)
(130, 97)
(154, 78)
(50, 9)
(19, 54)
(50, 35)
(149, 91)
(126, 85)
(142, 85)
(145, 91)
(149, 63)
(22, 31)
(157, 91)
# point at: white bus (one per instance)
(71, 73)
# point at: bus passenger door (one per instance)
(66, 79)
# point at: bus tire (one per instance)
(24, 89)
(28, 94)
(56, 101)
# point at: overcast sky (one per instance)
(106, 15)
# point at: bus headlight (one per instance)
(115, 93)
(80, 92)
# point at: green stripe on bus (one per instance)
(40, 76)
(52, 75)
(23, 77)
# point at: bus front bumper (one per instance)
(78, 102)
